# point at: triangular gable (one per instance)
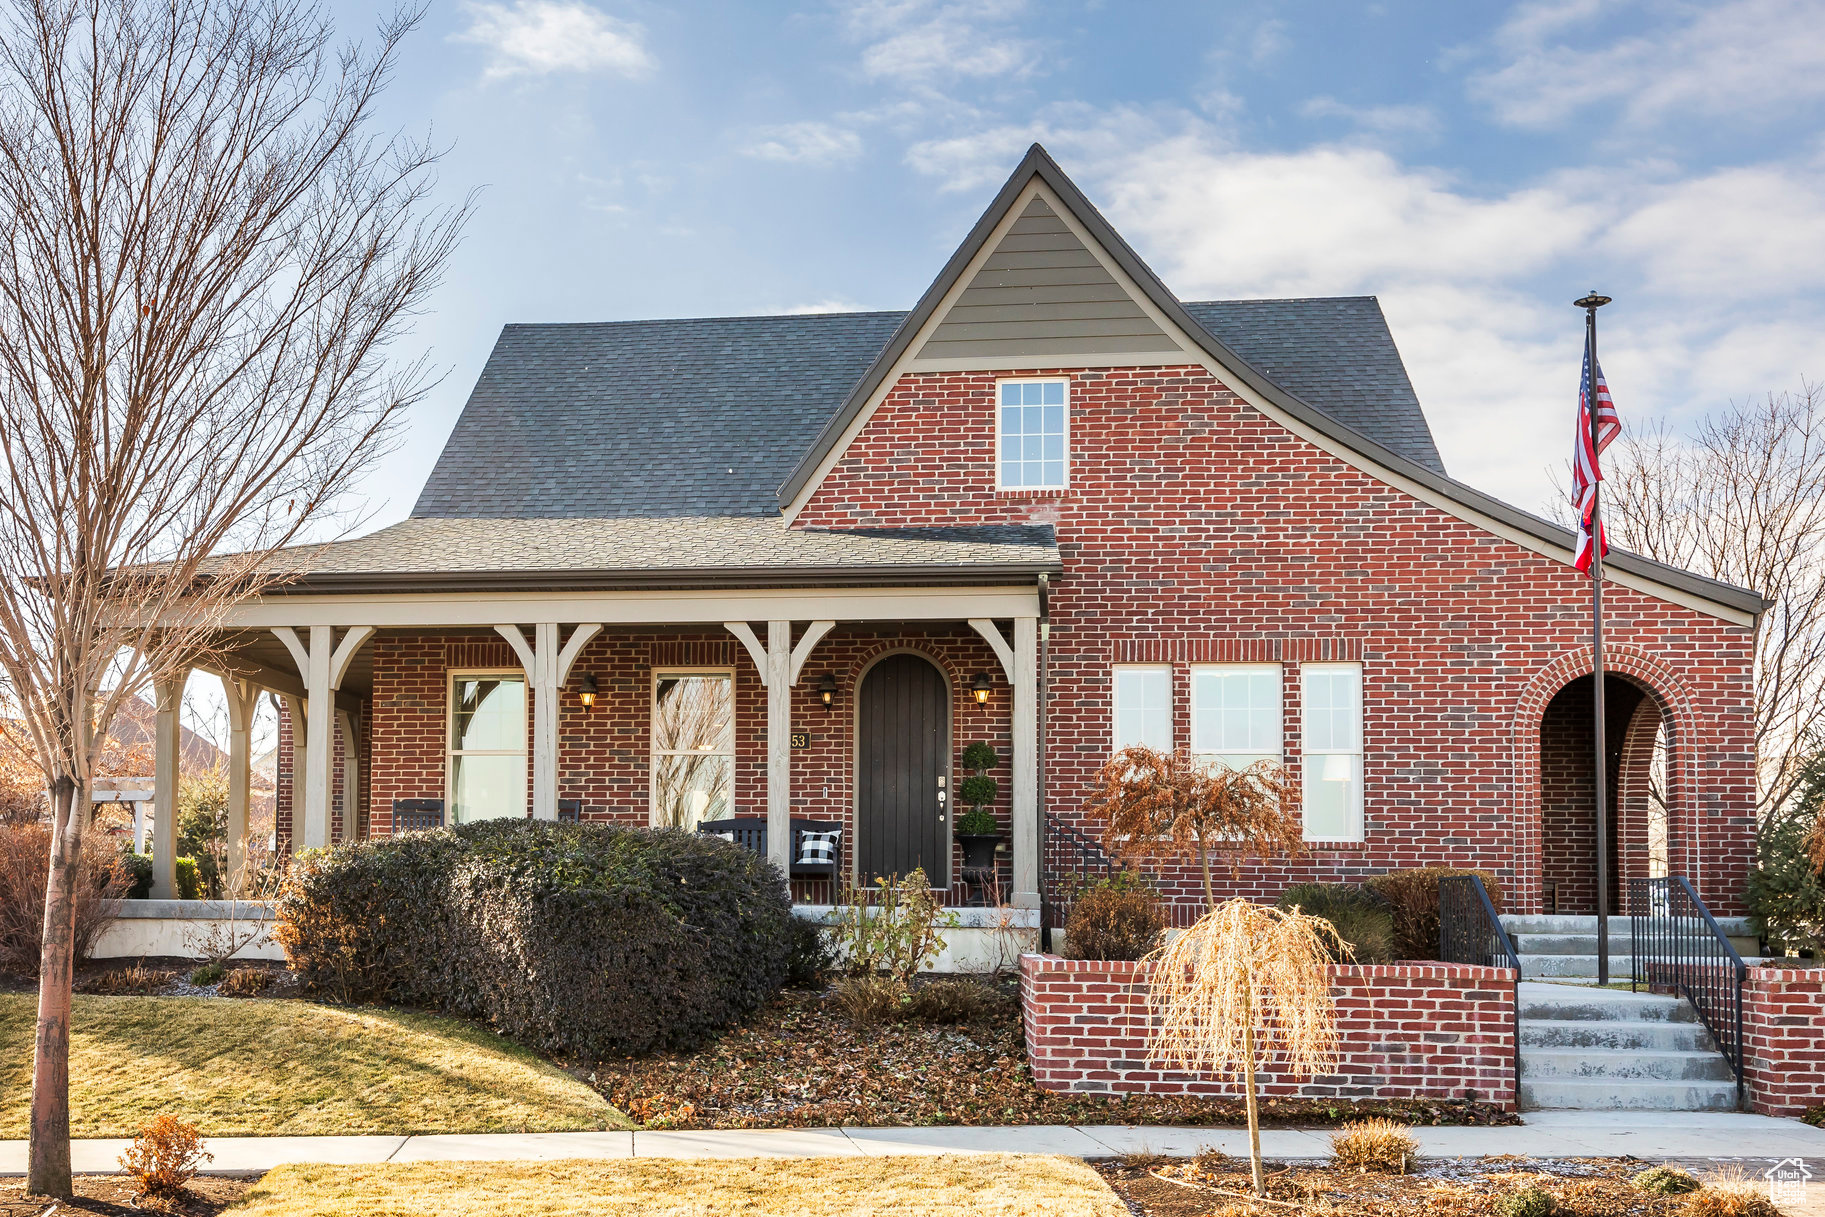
(1041, 291)
(1039, 179)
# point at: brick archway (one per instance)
(1672, 705)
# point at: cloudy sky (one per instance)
(1476, 167)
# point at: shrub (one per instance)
(978, 790)
(164, 1157)
(977, 821)
(246, 982)
(891, 927)
(1666, 1181)
(208, 974)
(135, 979)
(1360, 917)
(189, 879)
(1786, 893)
(1374, 1145)
(202, 828)
(25, 859)
(1529, 1201)
(952, 1001)
(1412, 899)
(809, 955)
(1814, 1116)
(1729, 1193)
(588, 940)
(979, 756)
(138, 868)
(868, 1000)
(1115, 918)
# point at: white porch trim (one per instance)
(323, 662)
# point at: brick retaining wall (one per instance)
(1410, 1031)
(1784, 1039)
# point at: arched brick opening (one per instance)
(1555, 829)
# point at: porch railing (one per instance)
(1470, 932)
(1071, 861)
(1678, 947)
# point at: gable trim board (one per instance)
(1038, 172)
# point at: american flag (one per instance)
(1586, 471)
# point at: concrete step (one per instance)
(1535, 965)
(1644, 1034)
(1613, 1095)
(1622, 1065)
(1569, 1002)
(1561, 923)
(1586, 944)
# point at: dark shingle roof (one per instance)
(708, 416)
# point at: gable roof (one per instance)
(708, 416)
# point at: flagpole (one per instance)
(1590, 304)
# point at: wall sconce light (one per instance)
(980, 687)
(586, 691)
(826, 690)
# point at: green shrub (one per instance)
(891, 927)
(1530, 1201)
(586, 940)
(189, 879)
(1666, 1181)
(977, 822)
(1412, 899)
(1359, 916)
(810, 955)
(208, 974)
(138, 868)
(1786, 894)
(978, 790)
(1115, 918)
(979, 756)
(202, 828)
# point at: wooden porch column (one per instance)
(779, 664)
(322, 663)
(167, 759)
(1025, 763)
(547, 667)
(242, 698)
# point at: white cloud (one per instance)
(832, 304)
(812, 143)
(537, 37)
(1711, 272)
(1380, 120)
(919, 42)
(1735, 57)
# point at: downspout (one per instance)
(1045, 635)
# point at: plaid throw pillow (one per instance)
(818, 848)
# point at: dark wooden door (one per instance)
(902, 796)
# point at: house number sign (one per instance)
(800, 740)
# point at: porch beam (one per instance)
(991, 634)
(1025, 761)
(242, 698)
(814, 634)
(167, 760)
(579, 638)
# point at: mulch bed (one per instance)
(800, 1063)
(1469, 1188)
(113, 1195)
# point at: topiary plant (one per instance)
(979, 756)
(977, 822)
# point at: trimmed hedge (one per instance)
(581, 939)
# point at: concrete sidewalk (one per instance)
(1545, 1134)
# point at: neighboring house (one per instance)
(798, 563)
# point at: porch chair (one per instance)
(413, 815)
(570, 811)
(750, 832)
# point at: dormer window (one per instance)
(1032, 435)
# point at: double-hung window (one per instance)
(1331, 706)
(693, 747)
(1142, 707)
(487, 751)
(1235, 713)
(1032, 435)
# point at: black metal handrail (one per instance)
(1071, 861)
(1678, 947)
(1470, 931)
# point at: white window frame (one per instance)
(652, 747)
(451, 751)
(1116, 743)
(1065, 381)
(1353, 825)
(1235, 669)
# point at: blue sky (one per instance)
(1475, 166)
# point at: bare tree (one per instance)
(206, 258)
(1742, 498)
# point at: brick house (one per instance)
(791, 566)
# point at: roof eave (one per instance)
(666, 579)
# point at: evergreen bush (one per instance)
(1360, 917)
(1786, 894)
(1412, 898)
(1115, 918)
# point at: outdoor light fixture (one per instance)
(826, 690)
(586, 693)
(980, 687)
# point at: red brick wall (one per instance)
(1784, 1039)
(1409, 1031)
(1198, 530)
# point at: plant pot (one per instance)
(979, 851)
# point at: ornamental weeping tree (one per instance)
(206, 257)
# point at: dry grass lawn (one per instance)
(990, 1185)
(273, 1068)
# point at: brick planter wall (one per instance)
(1409, 1031)
(1784, 1039)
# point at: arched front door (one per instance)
(902, 773)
